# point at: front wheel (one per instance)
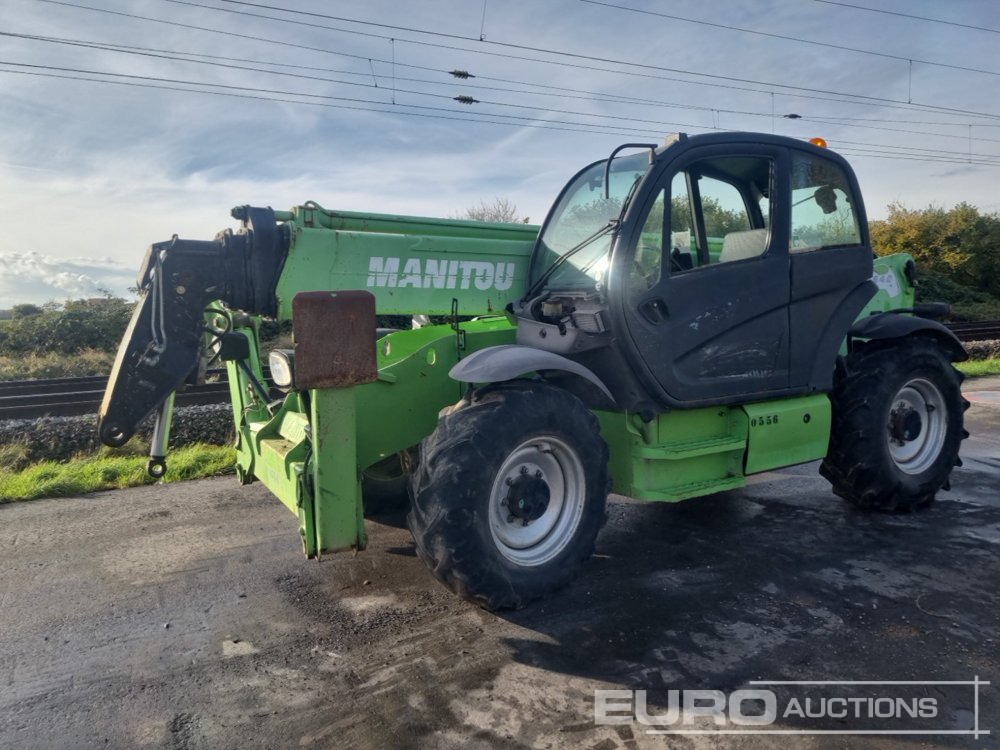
(897, 426)
(510, 494)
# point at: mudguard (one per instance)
(496, 364)
(889, 325)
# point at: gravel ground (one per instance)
(61, 438)
(184, 617)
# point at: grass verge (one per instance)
(979, 367)
(53, 365)
(107, 472)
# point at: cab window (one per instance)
(715, 211)
(823, 214)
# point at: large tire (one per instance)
(510, 494)
(897, 425)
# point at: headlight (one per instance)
(282, 364)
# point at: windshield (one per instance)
(580, 214)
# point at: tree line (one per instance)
(73, 327)
(957, 252)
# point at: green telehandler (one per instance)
(688, 314)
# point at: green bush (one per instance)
(966, 303)
(77, 326)
(959, 243)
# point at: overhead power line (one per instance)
(631, 64)
(909, 15)
(885, 129)
(803, 92)
(862, 153)
(166, 55)
(225, 62)
(785, 37)
(618, 119)
(179, 56)
(554, 91)
(323, 97)
(349, 103)
(318, 104)
(248, 37)
(322, 104)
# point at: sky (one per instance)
(202, 105)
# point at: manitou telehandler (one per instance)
(687, 315)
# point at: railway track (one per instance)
(67, 397)
(70, 397)
(980, 331)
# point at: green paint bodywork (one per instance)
(786, 432)
(683, 454)
(310, 448)
(412, 265)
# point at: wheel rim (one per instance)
(535, 535)
(918, 404)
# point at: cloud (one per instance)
(33, 277)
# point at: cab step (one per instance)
(694, 489)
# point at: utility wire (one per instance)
(171, 55)
(784, 37)
(174, 55)
(305, 95)
(834, 121)
(310, 104)
(893, 148)
(183, 56)
(229, 66)
(243, 92)
(860, 154)
(807, 93)
(908, 15)
(543, 50)
(502, 104)
(616, 118)
(193, 27)
(558, 92)
(913, 122)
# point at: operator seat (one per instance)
(743, 245)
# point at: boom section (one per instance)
(413, 265)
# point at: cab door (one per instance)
(703, 269)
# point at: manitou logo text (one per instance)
(439, 274)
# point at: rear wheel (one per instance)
(510, 494)
(897, 426)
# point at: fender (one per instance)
(495, 364)
(889, 325)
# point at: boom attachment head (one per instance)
(177, 280)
